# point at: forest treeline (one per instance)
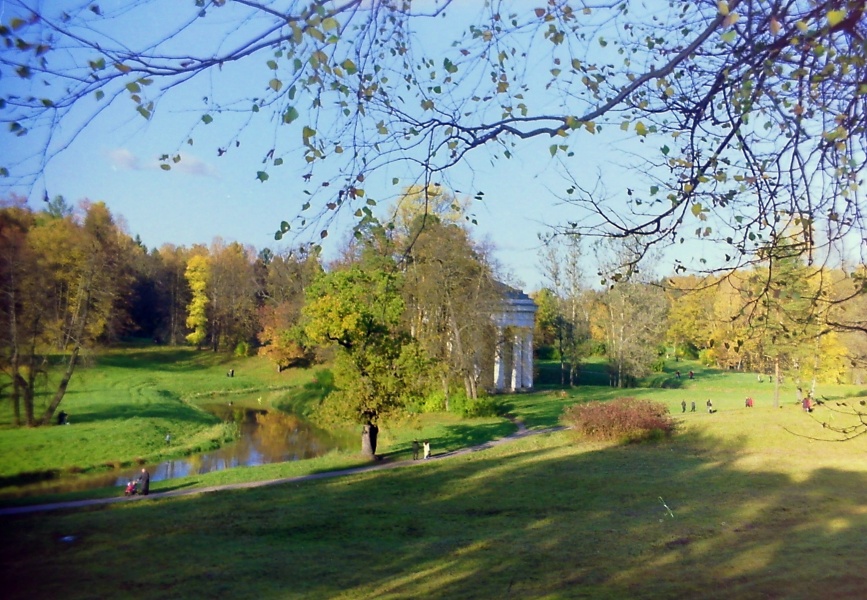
(403, 315)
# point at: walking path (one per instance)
(520, 433)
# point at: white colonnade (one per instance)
(515, 323)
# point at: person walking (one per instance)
(144, 482)
(426, 446)
(683, 406)
(415, 449)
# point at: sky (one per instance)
(115, 160)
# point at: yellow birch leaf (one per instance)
(835, 17)
(775, 26)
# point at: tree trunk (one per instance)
(14, 363)
(470, 387)
(81, 315)
(368, 440)
(16, 391)
(61, 388)
(445, 382)
(777, 383)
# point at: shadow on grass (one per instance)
(457, 437)
(164, 359)
(171, 487)
(546, 519)
(175, 412)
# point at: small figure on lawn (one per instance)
(426, 446)
(677, 374)
(709, 404)
(692, 407)
(691, 375)
(808, 403)
(683, 406)
(61, 418)
(415, 449)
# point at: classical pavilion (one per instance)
(513, 355)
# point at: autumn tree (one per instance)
(64, 280)
(451, 294)
(691, 319)
(740, 115)
(20, 315)
(173, 291)
(547, 322)
(629, 314)
(378, 365)
(232, 295)
(287, 278)
(562, 261)
(197, 274)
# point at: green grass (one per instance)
(744, 503)
(754, 513)
(123, 404)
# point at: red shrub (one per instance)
(623, 419)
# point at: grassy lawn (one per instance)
(733, 507)
(122, 407)
(743, 503)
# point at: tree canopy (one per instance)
(749, 114)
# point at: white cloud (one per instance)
(193, 165)
(123, 159)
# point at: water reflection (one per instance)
(265, 437)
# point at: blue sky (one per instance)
(115, 160)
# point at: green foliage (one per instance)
(379, 366)
(483, 406)
(546, 353)
(621, 419)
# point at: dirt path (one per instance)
(520, 433)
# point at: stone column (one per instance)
(527, 381)
(517, 362)
(499, 367)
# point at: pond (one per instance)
(265, 437)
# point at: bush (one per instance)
(623, 419)
(547, 353)
(459, 404)
(483, 406)
(707, 357)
